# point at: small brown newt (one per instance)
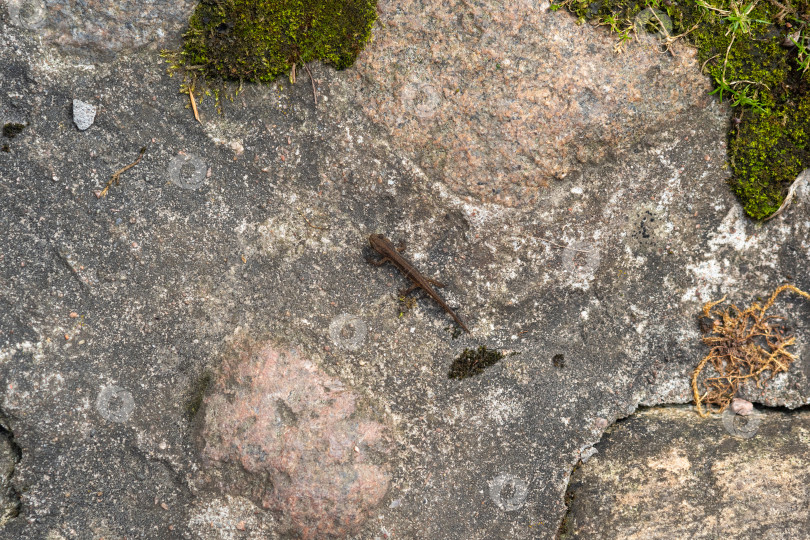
(389, 253)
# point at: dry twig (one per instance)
(312, 79)
(791, 192)
(194, 104)
(310, 223)
(116, 177)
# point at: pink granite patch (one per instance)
(297, 431)
(498, 99)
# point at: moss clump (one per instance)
(767, 151)
(472, 362)
(11, 130)
(197, 393)
(258, 40)
(757, 53)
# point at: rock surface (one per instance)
(291, 437)
(9, 498)
(84, 114)
(255, 223)
(497, 100)
(662, 474)
(101, 29)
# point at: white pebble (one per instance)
(83, 114)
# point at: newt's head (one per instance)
(379, 242)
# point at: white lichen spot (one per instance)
(709, 277)
(502, 408)
(731, 232)
(229, 518)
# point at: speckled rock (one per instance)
(102, 28)
(297, 434)
(83, 114)
(665, 474)
(136, 294)
(9, 456)
(498, 99)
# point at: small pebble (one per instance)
(83, 114)
(741, 406)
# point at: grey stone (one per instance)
(604, 270)
(666, 473)
(9, 457)
(83, 114)
(99, 30)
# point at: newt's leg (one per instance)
(409, 290)
(378, 262)
(439, 284)
(400, 247)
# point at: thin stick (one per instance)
(725, 62)
(786, 202)
(115, 178)
(194, 104)
(707, 61)
(310, 224)
(311, 78)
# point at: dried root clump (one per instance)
(744, 345)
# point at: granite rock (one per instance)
(297, 435)
(84, 114)
(113, 309)
(93, 29)
(664, 473)
(497, 100)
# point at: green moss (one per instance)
(472, 362)
(753, 64)
(11, 130)
(258, 40)
(767, 151)
(197, 393)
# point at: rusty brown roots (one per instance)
(744, 344)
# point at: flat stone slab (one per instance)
(253, 225)
(101, 29)
(663, 473)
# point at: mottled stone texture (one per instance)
(297, 434)
(9, 456)
(102, 28)
(665, 473)
(498, 98)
